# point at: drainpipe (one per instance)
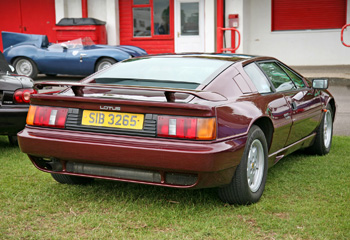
(84, 8)
(219, 24)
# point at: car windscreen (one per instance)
(169, 72)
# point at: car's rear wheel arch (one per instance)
(13, 60)
(332, 104)
(265, 124)
(248, 182)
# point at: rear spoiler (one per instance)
(78, 89)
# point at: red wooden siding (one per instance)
(33, 17)
(153, 45)
(308, 14)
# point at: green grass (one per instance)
(306, 197)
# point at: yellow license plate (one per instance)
(112, 119)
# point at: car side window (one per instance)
(277, 76)
(258, 78)
(298, 81)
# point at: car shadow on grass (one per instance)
(114, 191)
(4, 143)
(157, 193)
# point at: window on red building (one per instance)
(308, 14)
(150, 18)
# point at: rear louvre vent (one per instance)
(181, 179)
(74, 123)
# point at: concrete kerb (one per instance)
(339, 81)
(338, 75)
(335, 81)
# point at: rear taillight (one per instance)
(47, 116)
(23, 95)
(186, 127)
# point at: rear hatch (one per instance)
(160, 96)
(119, 110)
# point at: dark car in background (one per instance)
(183, 121)
(15, 92)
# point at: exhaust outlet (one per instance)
(54, 165)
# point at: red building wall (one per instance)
(23, 16)
(154, 44)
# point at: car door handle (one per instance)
(81, 56)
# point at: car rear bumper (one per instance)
(12, 120)
(173, 163)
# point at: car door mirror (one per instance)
(320, 83)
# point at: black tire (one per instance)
(68, 179)
(104, 63)
(13, 140)
(242, 190)
(323, 140)
(26, 67)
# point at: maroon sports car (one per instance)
(185, 121)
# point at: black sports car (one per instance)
(15, 91)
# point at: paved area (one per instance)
(342, 98)
(336, 71)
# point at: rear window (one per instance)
(177, 72)
(258, 78)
